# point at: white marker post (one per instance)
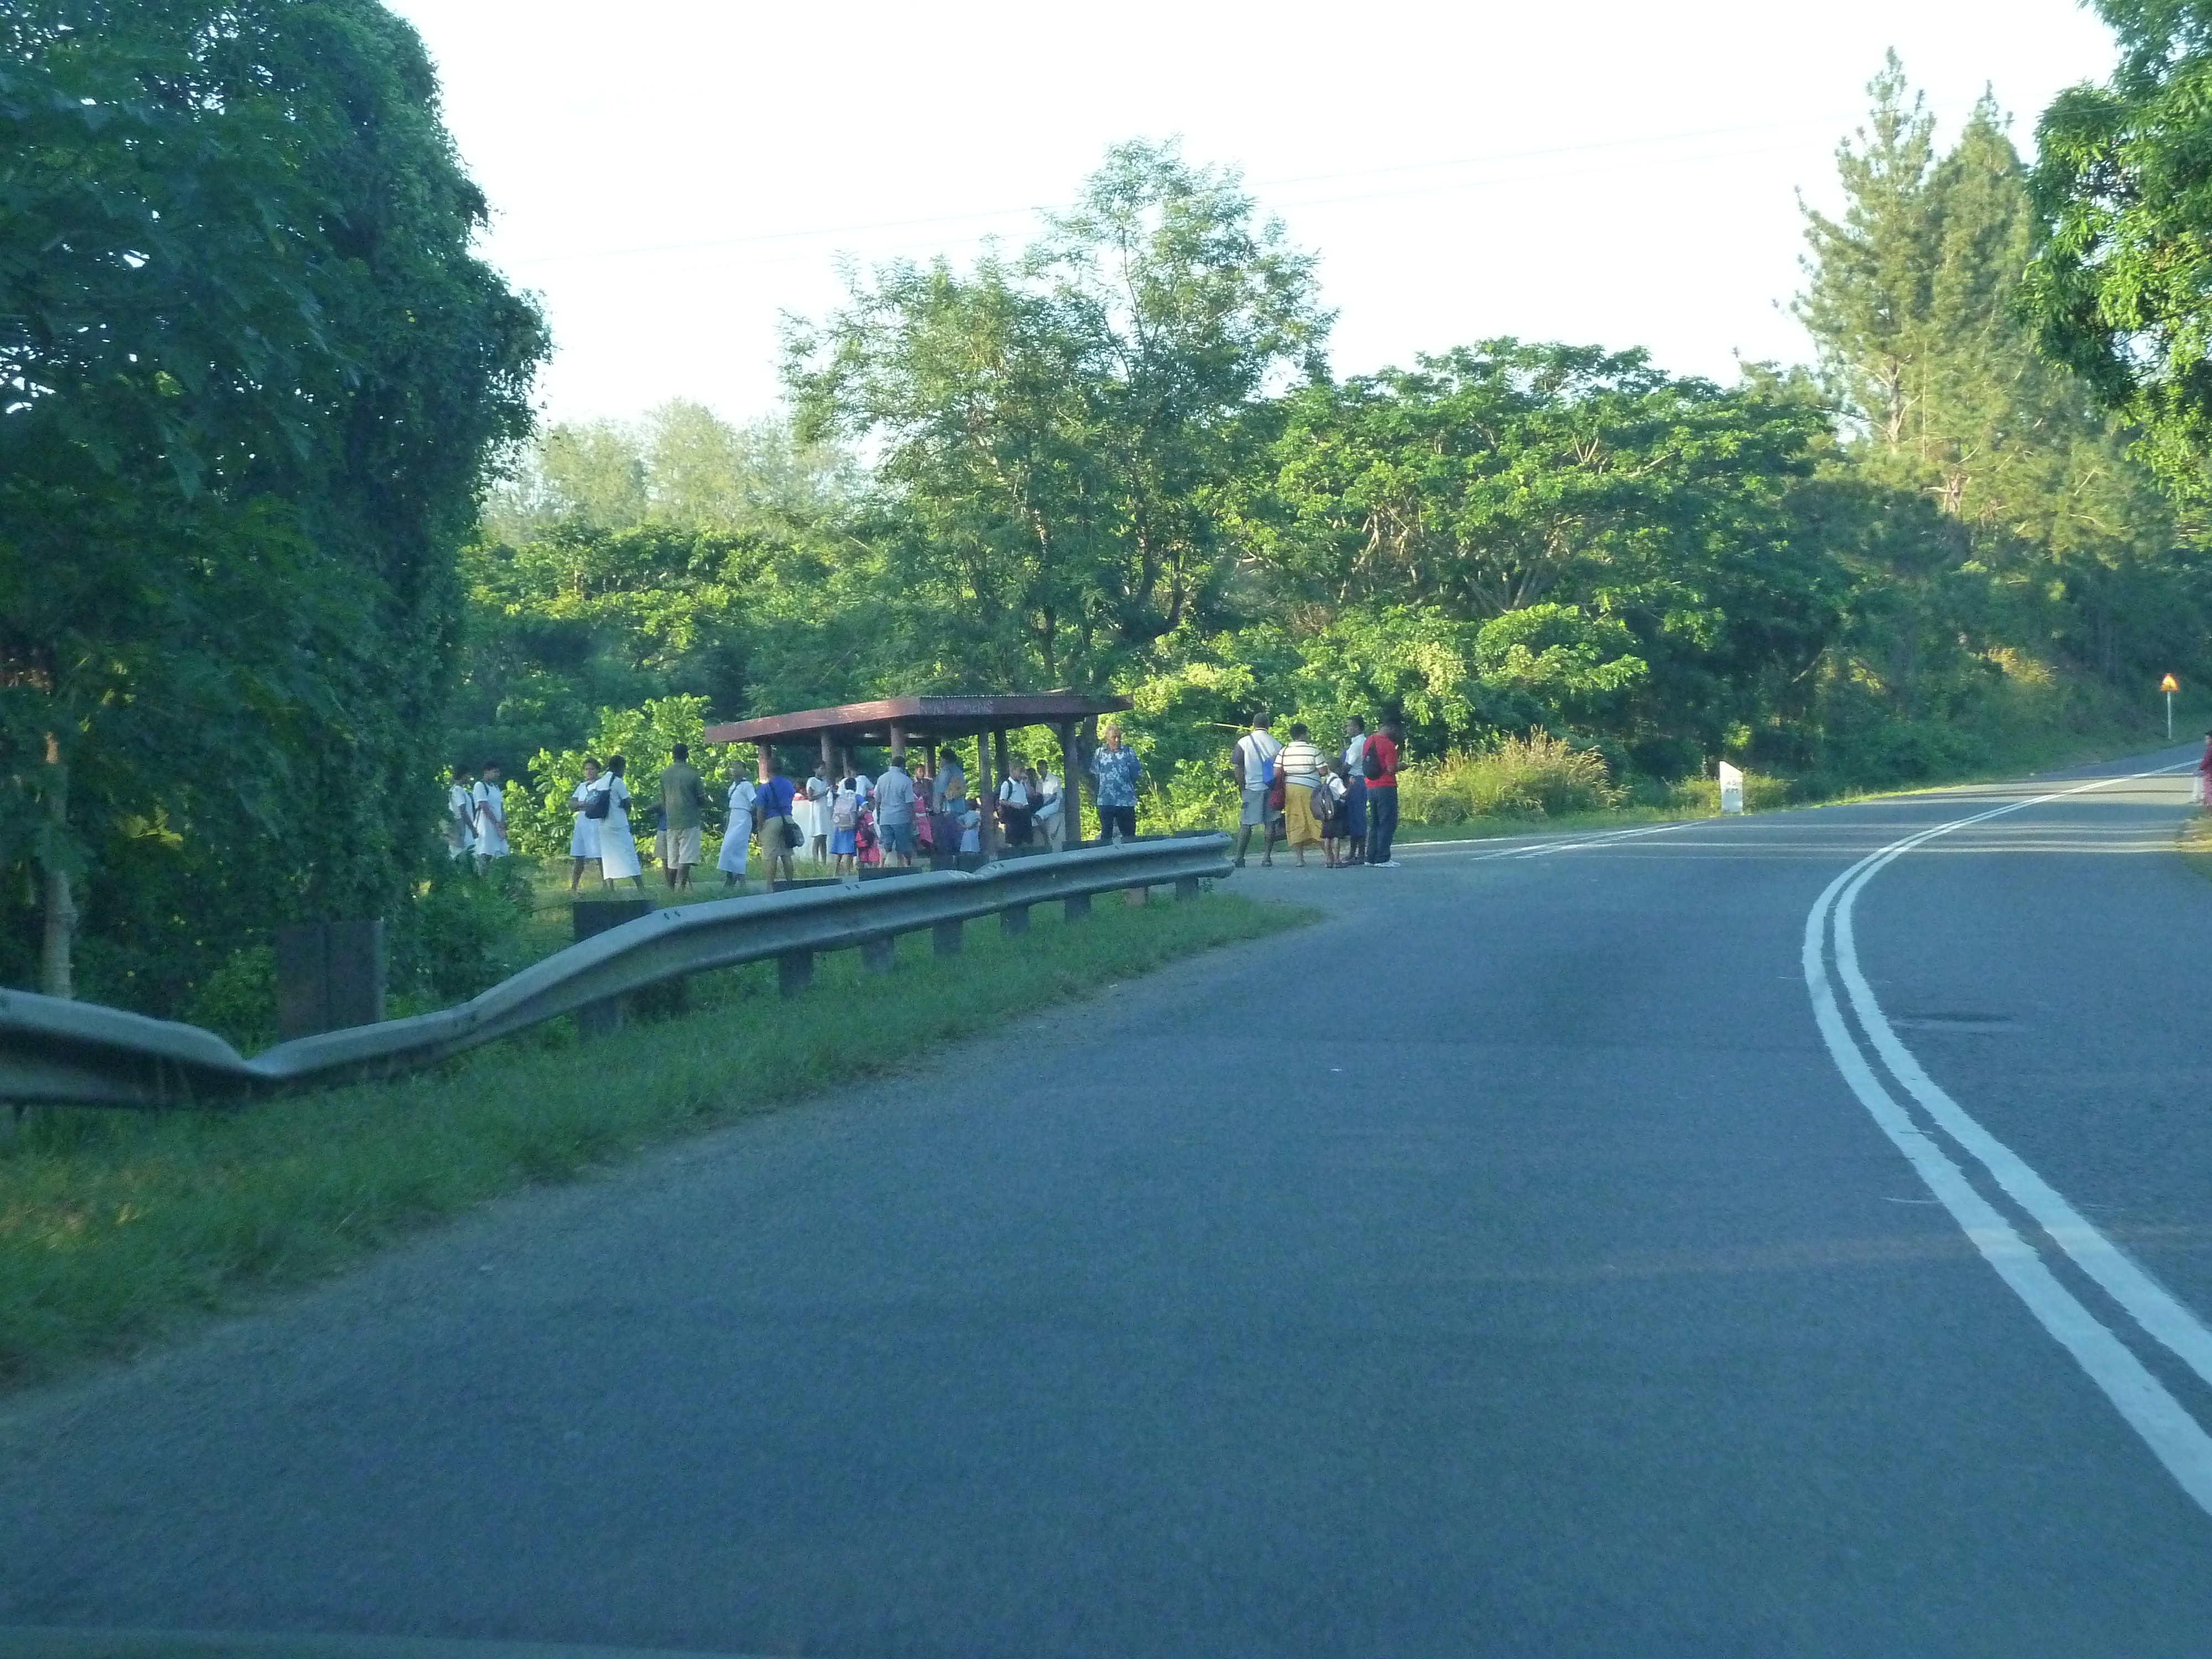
(1731, 788)
(2169, 685)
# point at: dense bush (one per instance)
(1536, 776)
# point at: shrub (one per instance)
(1762, 792)
(1199, 795)
(238, 1000)
(1536, 776)
(462, 935)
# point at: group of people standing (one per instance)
(843, 819)
(1345, 802)
(840, 818)
(476, 815)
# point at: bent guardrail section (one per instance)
(56, 1052)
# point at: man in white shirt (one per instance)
(1355, 790)
(1254, 763)
(1014, 806)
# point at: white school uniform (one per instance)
(1052, 810)
(740, 830)
(460, 820)
(490, 800)
(584, 839)
(617, 846)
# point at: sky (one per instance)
(672, 176)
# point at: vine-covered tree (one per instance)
(250, 372)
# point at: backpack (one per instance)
(596, 801)
(1371, 763)
(846, 815)
(1266, 766)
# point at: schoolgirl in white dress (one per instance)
(732, 864)
(617, 846)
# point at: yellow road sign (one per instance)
(2169, 683)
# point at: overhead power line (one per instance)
(1827, 123)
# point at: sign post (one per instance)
(1731, 781)
(2169, 685)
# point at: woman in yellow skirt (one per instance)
(1299, 767)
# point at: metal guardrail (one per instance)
(57, 1052)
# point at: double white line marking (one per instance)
(2178, 1441)
(1539, 849)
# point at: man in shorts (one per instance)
(1255, 764)
(895, 800)
(683, 809)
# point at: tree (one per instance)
(682, 465)
(1058, 434)
(1913, 297)
(249, 372)
(2121, 289)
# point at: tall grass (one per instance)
(1536, 776)
(115, 1225)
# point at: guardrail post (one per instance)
(1014, 918)
(880, 955)
(602, 1018)
(944, 936)
(1186, 887)
(794, 972)
(1075, 907)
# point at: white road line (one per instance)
(2175, 1437)
(1434, 849)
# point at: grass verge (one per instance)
(1701, 799)
(115, 1226)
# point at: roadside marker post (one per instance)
(2169, 685)
(1731, 788)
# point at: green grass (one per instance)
(2046, 753)
(115, 1226)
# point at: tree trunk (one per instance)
(55, 978)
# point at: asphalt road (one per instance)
(1506, 1265)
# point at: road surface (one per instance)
(1632, 1245)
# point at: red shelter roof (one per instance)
(926, 718)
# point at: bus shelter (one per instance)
(900, 723)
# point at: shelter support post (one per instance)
(998, 748)
(1070, 788)
(987, 792)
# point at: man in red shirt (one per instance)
(1381, 769)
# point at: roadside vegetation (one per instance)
(1118, 460)
(114, 1226)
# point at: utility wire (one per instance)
(1259, 184)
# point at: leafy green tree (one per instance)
(251, 373)
(2053, 541)
(1058, 434)
(682, 466)
(2121, 289)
